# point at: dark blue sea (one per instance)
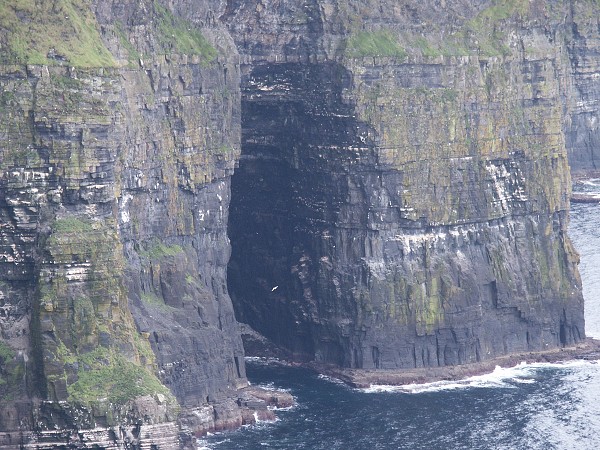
(534, 406)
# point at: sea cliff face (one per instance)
(399, 185)
(406, 183)
(583, 121)
(115, 190)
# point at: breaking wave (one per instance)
(501, 377)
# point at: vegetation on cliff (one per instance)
(105, 374)
(179, 36)
(57, 32)
(374, 43)
(96, 354)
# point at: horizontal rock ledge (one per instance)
(365, 378)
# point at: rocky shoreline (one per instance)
(365, 378)
(253, 404)
(258, 346)
(585, 198)
(581, 177)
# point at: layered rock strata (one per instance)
(401, 199)
(114, 201)
(403, 191)
(583, 122)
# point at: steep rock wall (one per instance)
(403, 187)
(583, 124)
(401, 198)
(114, 202)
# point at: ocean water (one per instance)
(531, 406)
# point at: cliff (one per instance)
(403, 191)
(583, 119)
(393, 177)
(118, 145)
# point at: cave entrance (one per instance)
(286, 195)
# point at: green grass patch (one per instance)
(176, 34)
(157, 250)
(133, 55)
(502, 10)
(106, 374)
(63, 83)
(10, 371)
(53, 33)
(144, 350)
(486, 30)
(151, 299)
(426, 48)
(6, 353)
(483, 34)
(71, 225)
(374, 43)
(64, 354)
(84, 317)
(20, 156)
(75, 239)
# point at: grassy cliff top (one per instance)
(61, 31)
(65, 32)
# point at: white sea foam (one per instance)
(270, 386)
(282, 408)
(591, 182)
(331, 380)
(262, 360)
(523, 380)
(260, 424)
(501, 377)
(204, 445)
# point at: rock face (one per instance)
(403, 187)
(583, 125)
(401, 199)
(114, 201)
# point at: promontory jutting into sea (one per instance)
(378, 191)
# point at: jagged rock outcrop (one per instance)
(403, 187)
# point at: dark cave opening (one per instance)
(287, 194)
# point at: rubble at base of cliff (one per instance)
(252, 404)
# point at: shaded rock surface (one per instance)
(583, 125)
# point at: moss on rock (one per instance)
(104, 374)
